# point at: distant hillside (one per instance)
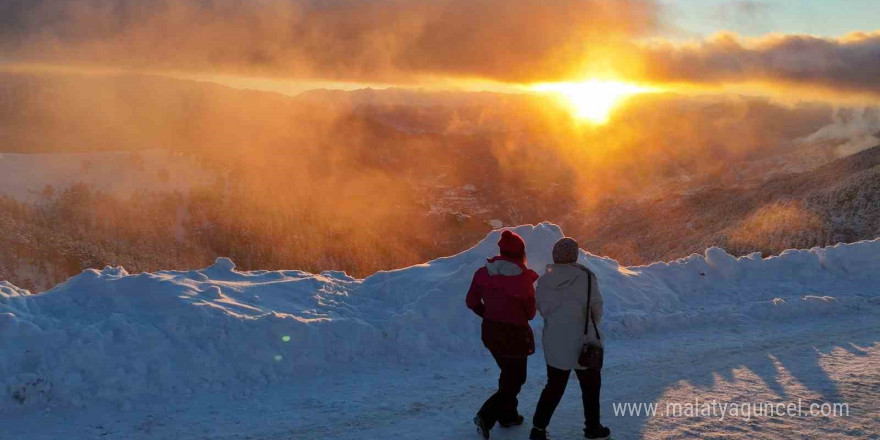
(837, 202)
(77, 113)
(35, 176)
(377, 179)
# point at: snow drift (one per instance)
(115, 337)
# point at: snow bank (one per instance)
(115, 337)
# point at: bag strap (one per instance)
(590, 311)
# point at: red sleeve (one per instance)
(474, 299)
(530, 295)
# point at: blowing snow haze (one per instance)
(151, 172)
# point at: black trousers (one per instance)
(502, 405)
(591, 383)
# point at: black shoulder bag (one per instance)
(592, 355)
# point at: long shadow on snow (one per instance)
(643, 369)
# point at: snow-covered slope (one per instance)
(113, 337)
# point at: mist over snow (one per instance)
(120, 173)
(110, 337)
(855, 128)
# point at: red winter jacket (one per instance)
(503, 294)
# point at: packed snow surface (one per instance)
(113, 338)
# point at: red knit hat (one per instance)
(512, 245)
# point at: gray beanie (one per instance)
(565, 251)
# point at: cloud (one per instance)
(855, 129)
(362, 40)
(410, 41)
(850, 63)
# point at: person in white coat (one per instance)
(562, 294)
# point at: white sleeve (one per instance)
(596, 301)
(545, 301)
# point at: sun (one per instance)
(594, 99)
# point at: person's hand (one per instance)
(480, 310)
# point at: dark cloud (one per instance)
(850, 63)
(401, 41)
(362, 40)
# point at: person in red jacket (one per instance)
(503, 294)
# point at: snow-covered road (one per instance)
(817, 360)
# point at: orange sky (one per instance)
(501, 45)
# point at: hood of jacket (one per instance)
(561, 276)
(504, 267)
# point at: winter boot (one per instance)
(516, 421)
(539, 434)
(597, 433)
(483, 427)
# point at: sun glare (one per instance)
(594, 99)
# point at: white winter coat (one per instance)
(561, 297)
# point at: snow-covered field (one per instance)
(218, 354)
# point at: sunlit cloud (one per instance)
(594, 100)
(495, 44)
(849, 64)
(390, 41)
